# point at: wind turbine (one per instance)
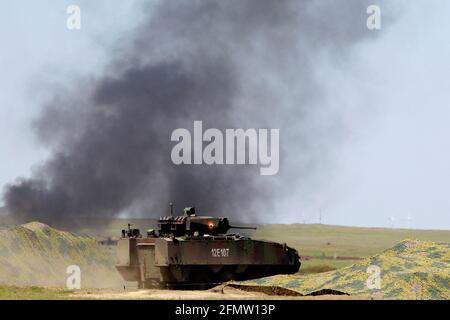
(392, 219)
(408, 221)
(303, 218)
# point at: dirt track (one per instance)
(218, 293)
(215, 293)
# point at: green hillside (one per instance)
(412, 269)
(325, 247)
(36, 254)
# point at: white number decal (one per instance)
(220, 252)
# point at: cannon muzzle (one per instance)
(242, 227)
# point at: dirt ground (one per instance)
(217, 293)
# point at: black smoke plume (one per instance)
(231, 64)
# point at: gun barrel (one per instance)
(242, 227)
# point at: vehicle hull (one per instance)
(182, 262)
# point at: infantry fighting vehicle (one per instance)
(193, 250)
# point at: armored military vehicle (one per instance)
(196, 251)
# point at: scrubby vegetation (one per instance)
(412, 269)
(36, 254)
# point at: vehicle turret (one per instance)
(191, 224)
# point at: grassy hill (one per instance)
(36, 254)
(325, 247)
